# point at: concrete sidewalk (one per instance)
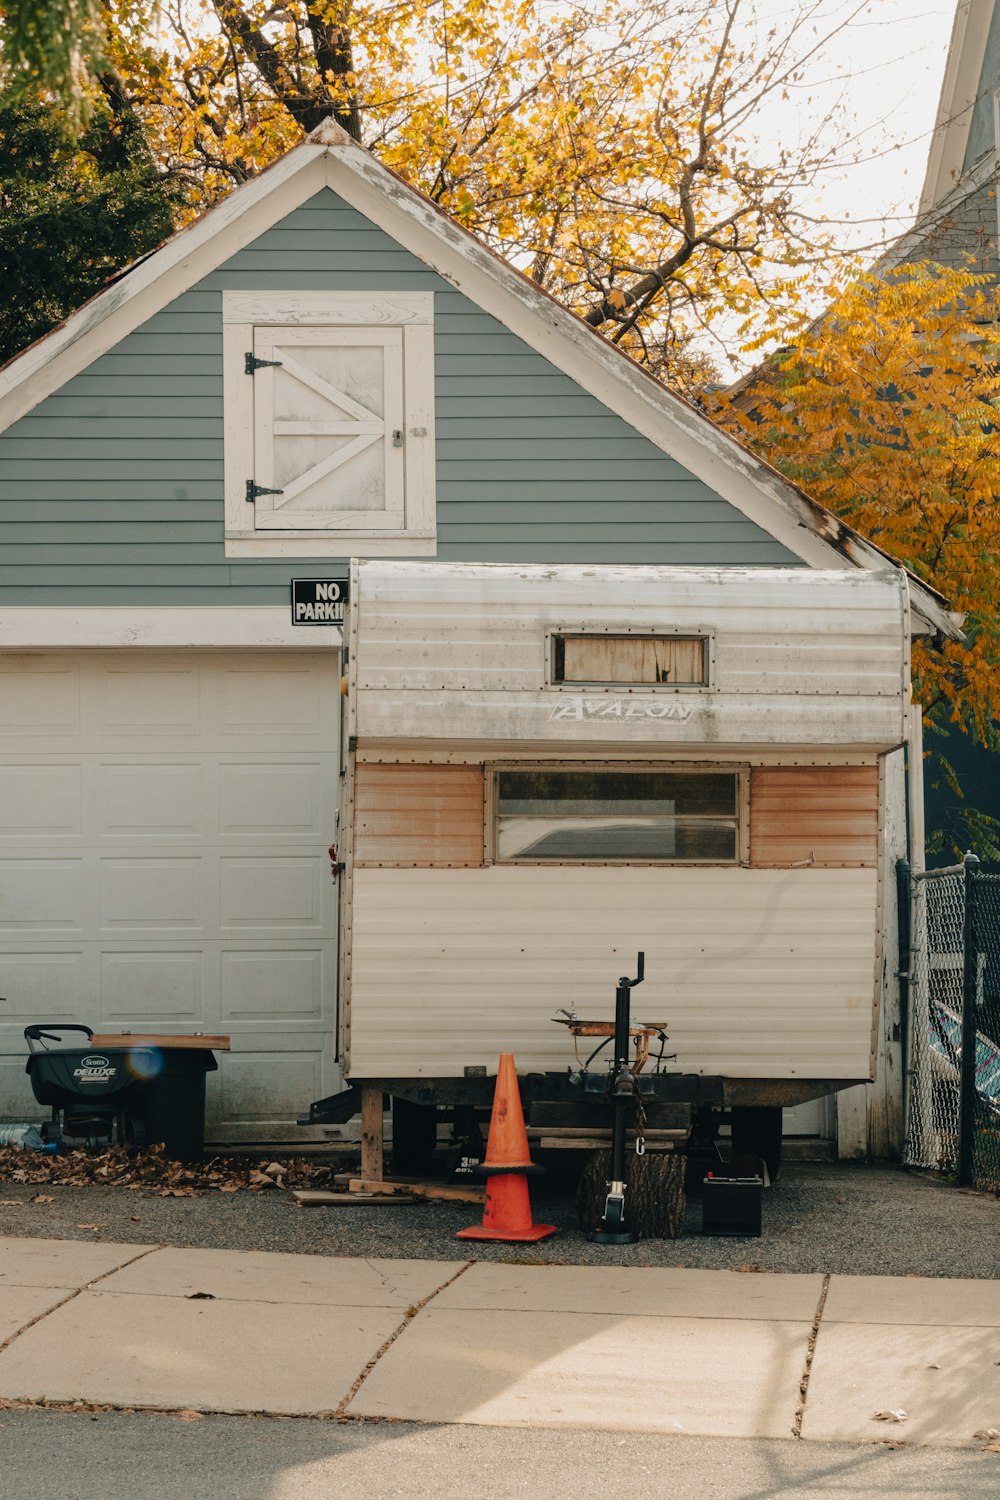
(715, 1353)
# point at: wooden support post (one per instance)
(371, 1133)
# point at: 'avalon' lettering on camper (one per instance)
(614, 708)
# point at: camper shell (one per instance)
(552, 767)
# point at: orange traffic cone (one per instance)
(507, 1215)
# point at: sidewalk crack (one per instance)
(411, 1313)
(6, 1343)
(800, 1409)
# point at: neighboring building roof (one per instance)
(330, 158)
(959, 92)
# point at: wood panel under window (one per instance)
(418, 815)
(629, 659)
(818, 815)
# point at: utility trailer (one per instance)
(551, 768)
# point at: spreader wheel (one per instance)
(654, 1193)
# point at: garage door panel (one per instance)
(255, 1086)
(40, 801)
(43, 986)
(153, 986)
(17, 1102)
(41, 700)
(156, 894)
(148, 699)
(42, 895)
(267, 893)
(274, 799)
(270, 699)
(252, 977)
(142, 800)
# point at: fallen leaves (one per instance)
(150, 1171)
(43, 1198)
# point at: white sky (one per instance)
(886, 69)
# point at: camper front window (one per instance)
(641, 660)
(638, 816)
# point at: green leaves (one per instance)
(54, 48)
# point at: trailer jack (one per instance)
(612, 1229)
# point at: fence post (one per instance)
(903, 919)
(970, 974)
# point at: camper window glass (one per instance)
(640, 816)
(648, 660)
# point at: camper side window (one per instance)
(638, 817)
(640, 660)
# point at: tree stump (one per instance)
(654, 1193)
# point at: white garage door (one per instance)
(164, 822)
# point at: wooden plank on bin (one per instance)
(158, 1039)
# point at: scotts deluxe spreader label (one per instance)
(95, 1069)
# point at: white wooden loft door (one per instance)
(329, 429)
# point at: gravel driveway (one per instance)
(843, 1218)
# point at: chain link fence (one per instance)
(953, 1043)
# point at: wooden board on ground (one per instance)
(320, 1198)
(142, 1039)
(435, 1192)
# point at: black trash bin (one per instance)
(173, 1102)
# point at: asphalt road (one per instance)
(47, 1455)
(842, 1218)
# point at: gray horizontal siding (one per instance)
(111, 489)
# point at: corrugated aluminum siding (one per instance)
(112, 488)
(759, 973)
(800, 656)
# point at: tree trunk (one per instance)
(654, 1193)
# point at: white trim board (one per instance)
(330, 157)
(959, 87)
(242, 627)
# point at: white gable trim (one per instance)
(152, 283)
(330, 157)
(959, 89)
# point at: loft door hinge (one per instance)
(251, 363)
(253, 490)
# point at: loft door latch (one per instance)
(252, 364)
(253, 490)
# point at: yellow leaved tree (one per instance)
(887, 411)
(605, 147)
